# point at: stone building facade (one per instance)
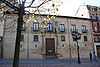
(52, 40)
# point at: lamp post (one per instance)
(76, 36)
(78, 53)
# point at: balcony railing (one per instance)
(97, 41)
(96, 31)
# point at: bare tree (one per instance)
(20, 8)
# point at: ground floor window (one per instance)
(35, 38)
(62, 38)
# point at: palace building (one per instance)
(48, 36)
(54, 39)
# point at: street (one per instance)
(50, 63)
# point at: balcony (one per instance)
(97, 41)
(96, 31)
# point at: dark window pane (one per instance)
(35, 38)
(85, 38)
(62, 38)
(1, 38)
(23, 27)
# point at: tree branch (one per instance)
(30, 4)
(10, 5)
(39, 5)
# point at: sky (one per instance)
(92, 2)
(75, 7)
(70, 7)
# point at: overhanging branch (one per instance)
(30, 4)
(10, 5)
(38, 5)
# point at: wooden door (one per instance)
(98, 50)
(50, 47)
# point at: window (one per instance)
(50, 28)
(92, 9)
(1, 38)
(88, 8)
(62, 27)
(99, 38)
(73, 28)
(85, 38)
(35, 26)
(62, 38)
(35, 38)
(95, 27)
(23, 27)
(44, 29)
(74, 39)
(83, 29)
(96, 38)
(22, 37)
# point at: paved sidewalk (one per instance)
(50, 63)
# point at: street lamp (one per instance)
(76, 36)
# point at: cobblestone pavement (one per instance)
(50, 63)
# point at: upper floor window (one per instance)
(62, 27)
(95, 27)
(97, 38)
(73, 28)
(83, 29)
(50, 28)
(88, 8)
(35, 26)
(85, 38)
(23, 27)
(35, 38)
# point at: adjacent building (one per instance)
(94, 12)
(1, 32)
